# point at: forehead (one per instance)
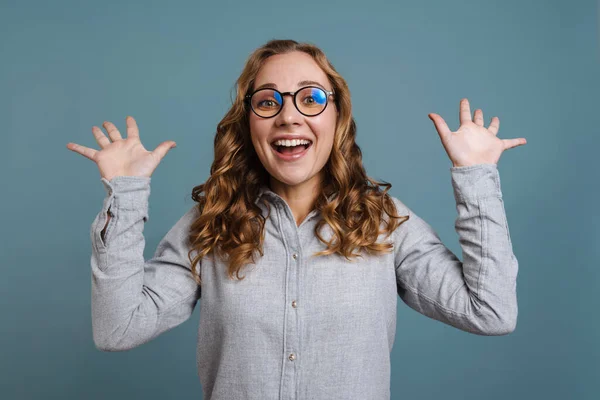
(286, 70)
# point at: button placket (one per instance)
(295, 257)
(290, 237)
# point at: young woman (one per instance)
(323, 251)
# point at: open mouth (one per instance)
(291, 149)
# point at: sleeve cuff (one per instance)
(129, 192)
(476, 181)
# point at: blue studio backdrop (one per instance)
(69, 65)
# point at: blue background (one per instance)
(69, 65)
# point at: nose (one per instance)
(289, 114)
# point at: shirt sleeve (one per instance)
(134, 300)
(477, 295)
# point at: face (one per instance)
(285, 71)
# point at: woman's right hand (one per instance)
(122, 157)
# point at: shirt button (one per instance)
(292, 357)
(294, 303)
(295, 256)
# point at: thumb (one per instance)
(440, 125)
(163, 148)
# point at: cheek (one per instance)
(324, 129)
(258, 131)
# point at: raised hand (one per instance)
(472, 143)
(122, 157)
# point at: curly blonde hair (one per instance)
(231, 224)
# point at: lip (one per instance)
(291, 157)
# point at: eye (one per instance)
(269, 103)
(313, 96)
(266, 99)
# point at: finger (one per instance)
(494, 125)
(132, 128)
(101, 138)
(478, 118)
(440, 126)
(163, 149)
(510, 143)
(84, 151)
(112, 130)
(465, 111)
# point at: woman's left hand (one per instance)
(473, 143)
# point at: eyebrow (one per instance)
(301, 83)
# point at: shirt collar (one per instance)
(264, 190)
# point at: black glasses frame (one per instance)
(248, 98)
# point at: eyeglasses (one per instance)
(267, 103)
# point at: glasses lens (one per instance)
(311, 101)
(266, 102)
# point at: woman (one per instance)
(324, 251)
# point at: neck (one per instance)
(300, 198)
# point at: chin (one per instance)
(293, 179)
(290, 181)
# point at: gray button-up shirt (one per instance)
(298, 326)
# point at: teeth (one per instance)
(291, 143)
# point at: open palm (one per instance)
(122, 157)
(472, 143)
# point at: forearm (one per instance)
(489, 265)
(122, 317)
